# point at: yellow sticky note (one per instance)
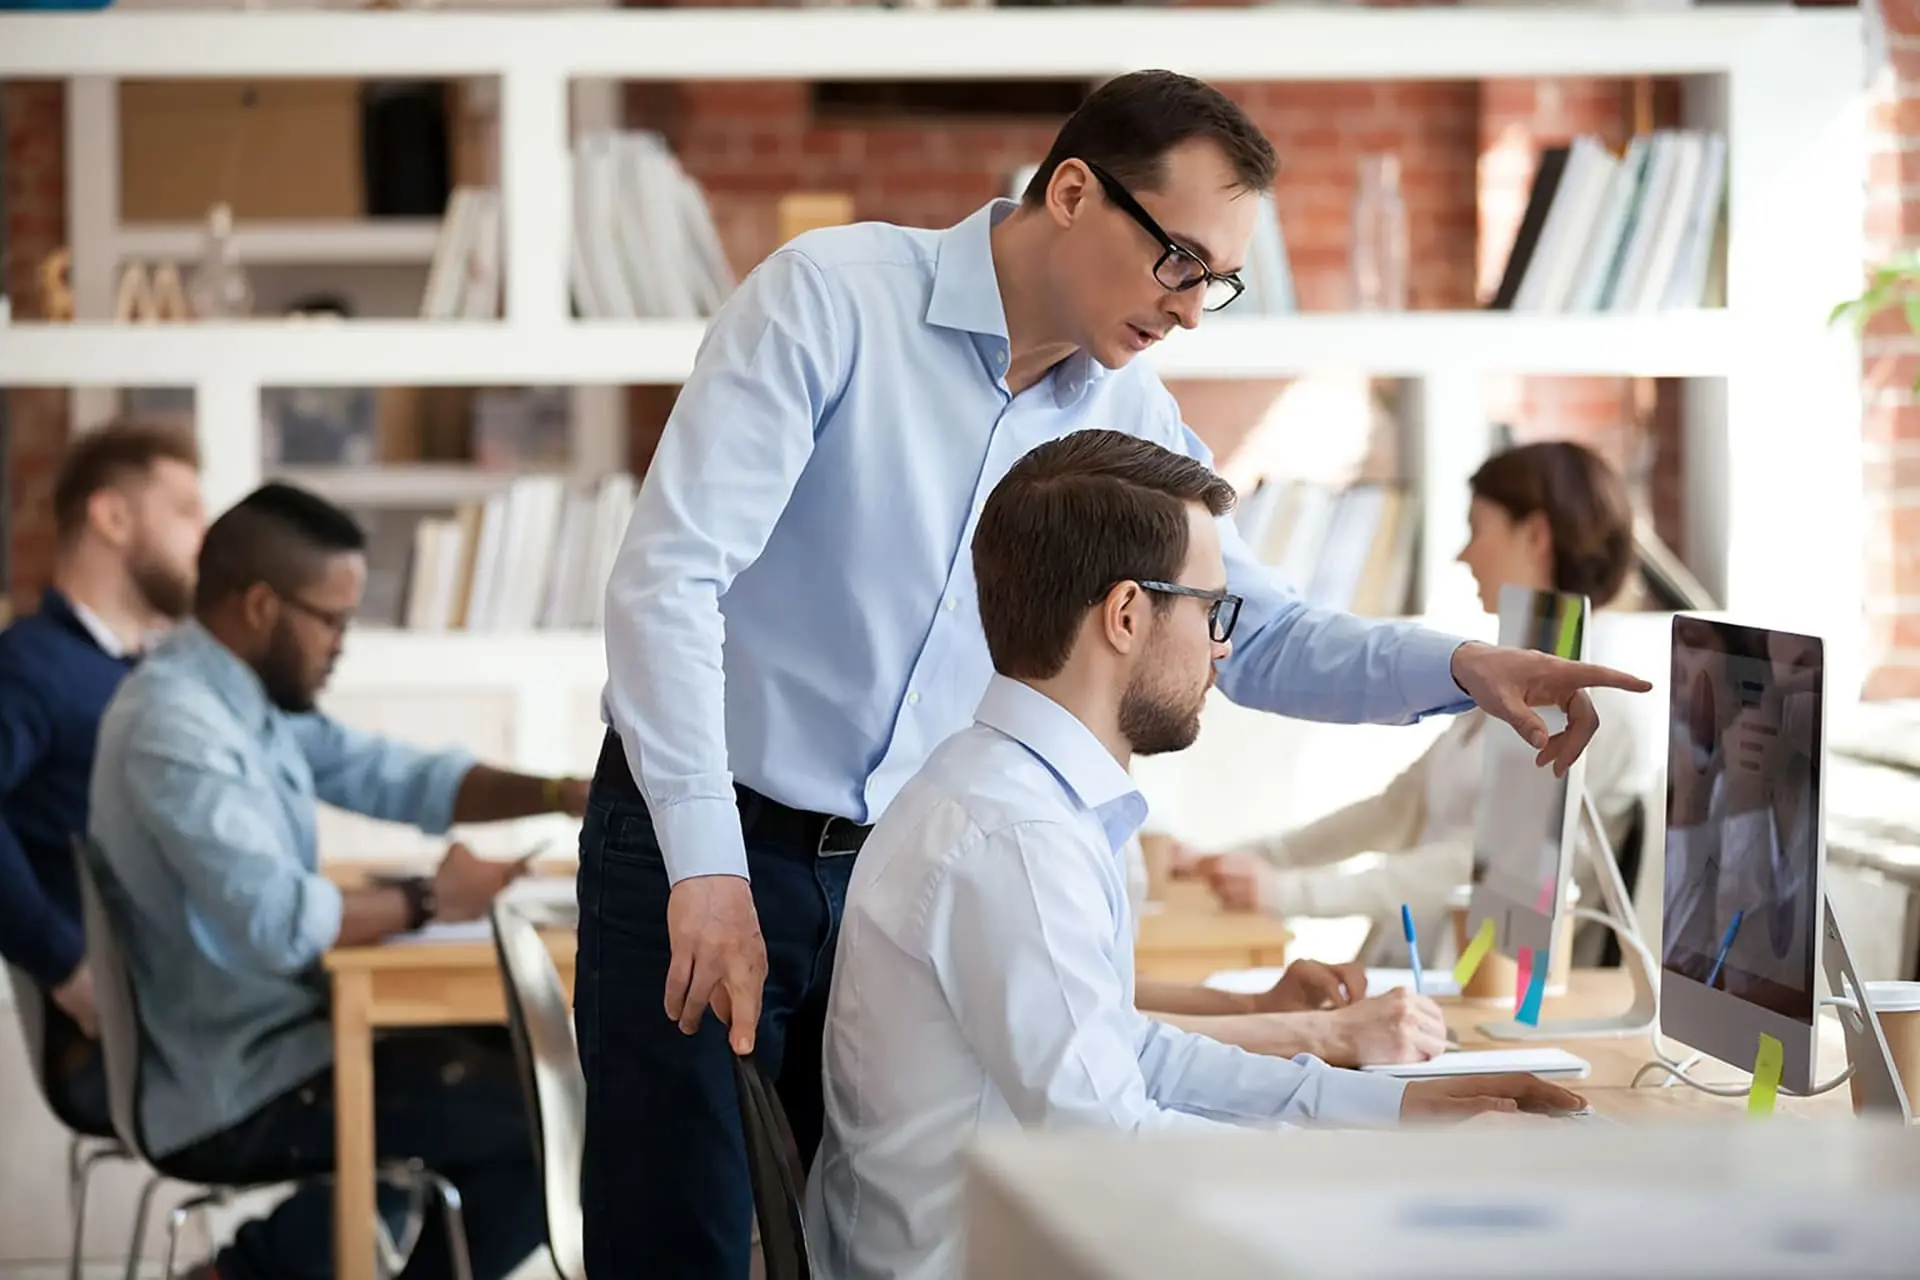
(1476, 952)
(1766, 1077)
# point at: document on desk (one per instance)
(438, 931)
(1486, 1062)
(1379, 981)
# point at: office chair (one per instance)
(122, 1046)
(773, 1166)
(88, 1143)
(541, 1027)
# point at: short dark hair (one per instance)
(108, 456)
(279, 535)
(1068, 522)
(1589, 514)
(1129, 124)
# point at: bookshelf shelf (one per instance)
(500, 353)
(382, 242)
(1268, 43)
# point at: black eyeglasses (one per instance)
(1179, 269)
(334, 620)
(1223, 613)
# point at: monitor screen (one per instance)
(1741, 905)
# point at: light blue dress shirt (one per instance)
(793, 604)
(984, 981)
(203, 804)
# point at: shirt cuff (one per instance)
(1423, 670)
(440, 789)
(1360, 1099)
(321, 906)
(701, 837)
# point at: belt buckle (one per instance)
(820, 849)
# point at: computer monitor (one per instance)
(1527, 821)
(1743, 904)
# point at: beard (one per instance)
(1159, 721)
(282, 673)
(166, 591)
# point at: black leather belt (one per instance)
(762, 818)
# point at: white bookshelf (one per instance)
(1772, 456)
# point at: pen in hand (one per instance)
(1413, 949)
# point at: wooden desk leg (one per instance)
(354, 1202)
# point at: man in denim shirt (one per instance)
(210, 762)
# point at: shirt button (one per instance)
(952, 604)
(913, 699)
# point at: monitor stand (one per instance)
(1879, 1088)
(1643, 1014)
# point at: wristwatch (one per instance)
(422, 902)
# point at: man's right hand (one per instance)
(75, 998)
(465, 884)
(1395, 1026)
(719, 957)
(1463, 1097)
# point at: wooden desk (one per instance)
(1615, 1060)
(426, 985)
(1189, 937)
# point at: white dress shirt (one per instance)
(984, 980)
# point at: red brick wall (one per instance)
(34, 203)
(1891, 443)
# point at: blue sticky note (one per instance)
(1529, 1010)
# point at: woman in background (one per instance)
(1546, 516)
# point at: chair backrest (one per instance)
(113, 1000)
(773, 1165)
(541, 1027)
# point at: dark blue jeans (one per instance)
(450, 1098)
(665, 1190)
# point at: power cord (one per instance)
(1676, 1072)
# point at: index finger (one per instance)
(743, 999)
(1591, 675)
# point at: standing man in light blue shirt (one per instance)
(984, 977)
(211, 764)
(791, 625)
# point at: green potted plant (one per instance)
(1894, 283)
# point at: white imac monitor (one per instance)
(1743, 904)
(1528, 820)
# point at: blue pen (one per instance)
(1725, 943)
(1413, 949)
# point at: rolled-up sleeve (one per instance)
(222, 834)
(381, 777)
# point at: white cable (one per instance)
(1677, 1071)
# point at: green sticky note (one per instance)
(1766, 1077)
(1476, 952)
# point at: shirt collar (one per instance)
(966, 297)
(57, 603)
(1067, 747)
(232, 680)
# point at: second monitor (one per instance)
(1528, 820)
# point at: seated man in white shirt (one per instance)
(984, 977)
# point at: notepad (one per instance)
(1256, 981)
(1486, 1062)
